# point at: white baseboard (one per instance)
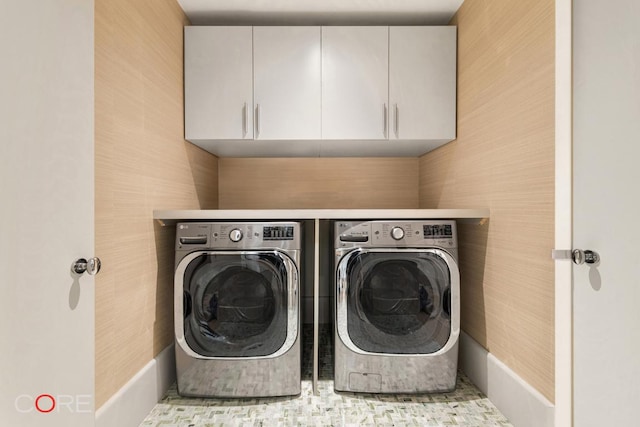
(523, 405)
(133, 402)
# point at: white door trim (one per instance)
(563, 215)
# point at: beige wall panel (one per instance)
(503, 159)
(321, 183)
(142, 164)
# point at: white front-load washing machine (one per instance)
(237, 309)
(397, 306)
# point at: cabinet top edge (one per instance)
(171, 217)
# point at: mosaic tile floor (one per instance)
(466, 406)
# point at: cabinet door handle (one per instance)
(384, 119)
(257, 120)
(578, 256)
(245, 119)
(396, 123)
(90, 266)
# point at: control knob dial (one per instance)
(235, 235)
(397, 233)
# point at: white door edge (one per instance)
(563, 215)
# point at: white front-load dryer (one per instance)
(237, 309)
(397, 306)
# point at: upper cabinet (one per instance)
(355, 82)
(422, 83)
(330, 91)
(218, 90)
(287, 82)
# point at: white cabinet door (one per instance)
(47, 218)
(218, 77)
(422, 83)
(287, 82)
(606, 131)
(355, 76)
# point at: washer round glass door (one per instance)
(395, 302)
(237, 304)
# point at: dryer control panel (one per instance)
(411, 234)
(237, 235)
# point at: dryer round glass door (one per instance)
(398, 303)
(235, 304)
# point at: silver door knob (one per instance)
(578, 256)
(90, 266)
(587, 256)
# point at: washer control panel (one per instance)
(439, 233)
(247, 235)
